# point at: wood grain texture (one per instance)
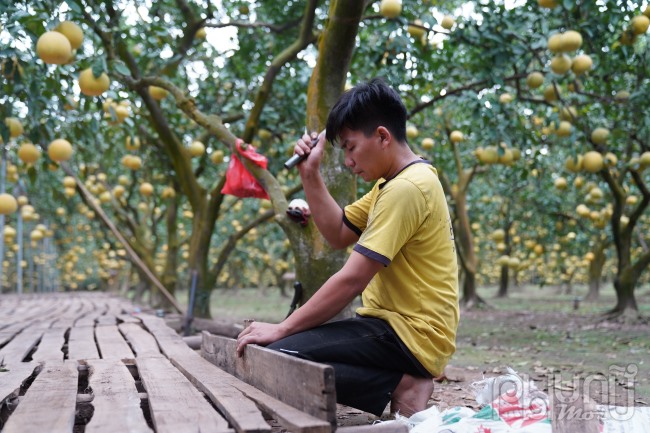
(111, 343)
(51, 346)
(178, 352)
(383, 427)
(13, 378)
(305, 385)
(81, 343)
(175, 404)
(49, 403)
(21, 345)
(116, 400)
(142, 342)
(241, 412)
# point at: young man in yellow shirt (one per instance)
(403, 264)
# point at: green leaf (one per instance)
(98, 68)
(32, 173)
(122, 68)
(74, 6)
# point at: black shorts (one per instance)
(368, 357)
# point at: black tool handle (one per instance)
(296, 159)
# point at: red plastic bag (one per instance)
(239, 181)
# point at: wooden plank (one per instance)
(49, 403)
(226, 390)
(241, 412)
(382, 427)
(111, 343)
(305, 385)
(143, 343)
(81, 343)
(116, 400)
(13, 378)
(175, 404)
(179, 353)
(106, 319)
(21, 345)
(127, 318)
(51, 346)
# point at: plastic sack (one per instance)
(239, 181)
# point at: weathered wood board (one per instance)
(305, 385)
(116, 400)
(49, 403)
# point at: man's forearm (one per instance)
(327, 214)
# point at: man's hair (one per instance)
(364, 108)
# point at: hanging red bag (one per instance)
(239, 181)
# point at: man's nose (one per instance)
(349, 162)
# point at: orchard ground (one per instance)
(535, 331)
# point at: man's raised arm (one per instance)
(327, 214)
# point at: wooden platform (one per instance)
(90, 362)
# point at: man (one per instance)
(403, 264)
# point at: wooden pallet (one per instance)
(89, 359)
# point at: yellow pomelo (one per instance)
(15, 127)
(8, 204)
(599, 135)
(554, 43)
(592, 161)
(146, 189)
(505, 98)
(456, 136)
(561, 64)
(560, 183)
(217, 156)
(581, 64)
(54, 48)
(535, 79)
(158, 93)
(59, 150)
(571, 40)
(411, 131)
(416, 29)
(390, 8)
(551, 94)
(92, 86)
(639, 24)
(574, 164)
(427, 143)
(71, 31)
(28, 153)
(196, 149)
(564, 129)
(447, 22)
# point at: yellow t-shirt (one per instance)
(404, 223)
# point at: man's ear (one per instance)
(384, 135)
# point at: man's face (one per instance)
(362, 154)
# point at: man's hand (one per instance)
(259, 333)
(304, 147)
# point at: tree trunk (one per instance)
(625, 299)
(503, 283)
(465, 244)
(596, 272)
(315, 260)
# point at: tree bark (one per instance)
(596, 271)
(315, 260)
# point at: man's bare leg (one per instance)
(411, 395)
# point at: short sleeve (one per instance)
(355, 215)
(397, 215)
